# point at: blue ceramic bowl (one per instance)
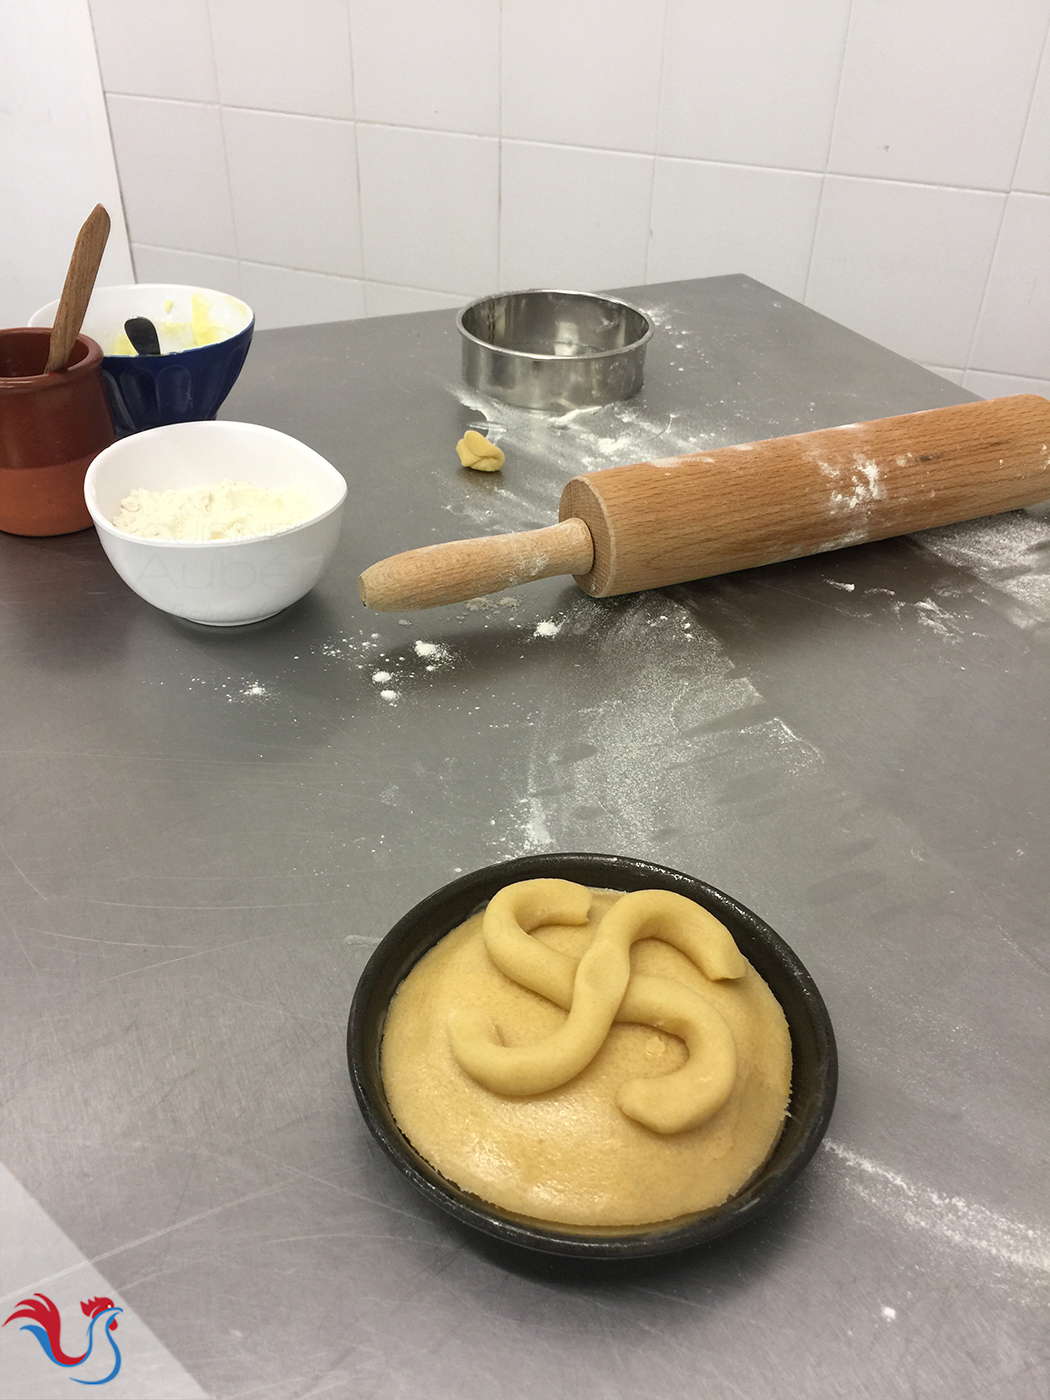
(187, 382)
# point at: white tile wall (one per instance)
(283, 57)
(903, 264)
(56, 154)
(937, 92)
(1014, 331)
(429, 207)
(712, 219)
(994, 386)
(281, 296)
(753, 82)
(573, 218)
(582, 72)
(432, 66)
(155, 50)
(955, 375)
(189, 269)
(384, 299)
(1033, 165)
(309, 217)
(886, 161)
(171, 160)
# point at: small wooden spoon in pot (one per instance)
(79, 284)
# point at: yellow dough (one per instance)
(589, 1058)
(474, 450)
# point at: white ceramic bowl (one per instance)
(221, 582)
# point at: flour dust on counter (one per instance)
(406, 665)
(948, 612)
(248, 691)
(549, 450)
(388, 664)
(586, 439)
(409, 666)
(435, 655)
(490, 604)
(374, 666)
(936, 619)
(234, 691)
(1018, 1251)
(1009, 552)
(613, 760)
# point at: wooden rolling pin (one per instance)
(682, 518)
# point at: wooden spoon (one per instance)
(79, 284)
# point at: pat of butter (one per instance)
(205, 330)
(174, 336)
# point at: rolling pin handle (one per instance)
(438, 574)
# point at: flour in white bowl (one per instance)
(230, 510)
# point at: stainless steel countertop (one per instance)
(204, 832)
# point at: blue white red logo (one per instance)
(46, 1325)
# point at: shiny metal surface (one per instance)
(203, 836)
(554, 350)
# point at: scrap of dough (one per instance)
(474, 450)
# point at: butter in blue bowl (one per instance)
(204, 336)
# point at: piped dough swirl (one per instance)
(598, 1150)
(597, 990)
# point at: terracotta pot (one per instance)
(51, 427)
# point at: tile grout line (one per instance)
(827, 159)
(1003, 374)
(1044, 59)
(595, 150)
(306, 271)
(112, 143)
(985, 290)
(1002, 217)
(225, 151)
(357, 152)
(1044, 62)
(656, 141)
(499, 151)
